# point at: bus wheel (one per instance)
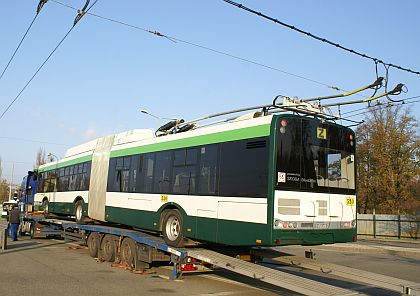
(32, 230)
(128, 251)
(172, 228)
(108, 248)
(45, 207)
(78, 212)
(93, 244)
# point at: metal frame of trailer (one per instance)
(178, 256)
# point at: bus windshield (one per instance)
(315, 156)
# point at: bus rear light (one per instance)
(279, 224)
(39, 228)
(277, 242)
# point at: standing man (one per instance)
(14, 221)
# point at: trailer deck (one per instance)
(179, 256)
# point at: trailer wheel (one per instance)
(128, 251)
(172, 228)
(78, 212)
(93, 244)
(108, 248)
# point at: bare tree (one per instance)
(388, 150)
(40, 157)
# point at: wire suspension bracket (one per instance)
(81, 13)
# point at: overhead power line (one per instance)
(175, 39)
(33, 141)
(40, 5)
(405, 101)
(80, 14)
(379, 107)
(376, 60)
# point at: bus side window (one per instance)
(161, 176)
(147, 174)
(184, 176)
(244, 168)
(207, 173)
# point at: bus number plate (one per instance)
(164, 198)
(320, 225)
(349, 201)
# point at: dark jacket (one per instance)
(14, 216)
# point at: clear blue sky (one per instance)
(104, 73)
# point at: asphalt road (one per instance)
(51, 267)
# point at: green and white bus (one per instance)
(276, 179)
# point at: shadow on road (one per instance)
(23, 246)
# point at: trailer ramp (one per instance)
(267, 275)
(374, 279)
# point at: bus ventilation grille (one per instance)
(256, 144)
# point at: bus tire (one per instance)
(32, 230)
(45, 208)
(172, 228)
(128, 251)
(78, 212)
(108, 248)
(93, 243)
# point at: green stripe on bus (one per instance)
(232, 135)
(65, 163)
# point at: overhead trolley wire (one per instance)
(33, 141)
(376, 60)
(40, 5)
(404, 101)
(80, 14)
(380, 107)
(156, 33)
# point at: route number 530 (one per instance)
(349, 201)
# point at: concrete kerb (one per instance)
(354, 247)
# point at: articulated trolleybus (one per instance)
(266, 178)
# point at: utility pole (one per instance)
(11, 181)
